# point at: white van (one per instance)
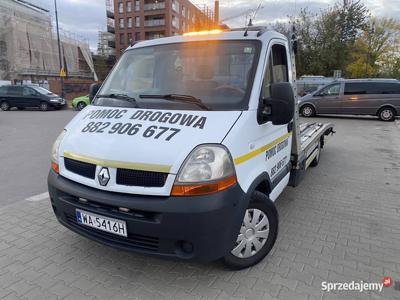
(186, 147)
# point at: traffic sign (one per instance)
(62, 73)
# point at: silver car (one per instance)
(379, 97)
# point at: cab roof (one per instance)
(253, 33)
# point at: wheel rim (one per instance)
(43, 106)
(81, 106)
(253, 234)
(307, 111)
(387, 114)
(4, 106)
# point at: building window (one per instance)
(121, 38)
(175, 5)
(183, 11)
(128, 6)
(120, 7)
(129, 22)
(137, 5)
(129, 38)
(175, 22)
(137, 36)
(121, 23)
(137, 21)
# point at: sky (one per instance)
(84, 18)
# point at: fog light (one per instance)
(187, 247)
(124, 210)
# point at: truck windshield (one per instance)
(217, 73)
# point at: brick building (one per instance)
(136, 20)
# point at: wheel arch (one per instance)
(262, 183)
(386, 105)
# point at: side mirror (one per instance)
(94, 88)
(279, 108)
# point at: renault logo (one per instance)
(103, 176)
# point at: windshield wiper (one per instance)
(178, 97)
(119, 97)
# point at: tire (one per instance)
(44, 106)
(5, 106)
(239, 257)
(81, 105)
(387, 114)
(315, 161)
(307, 111)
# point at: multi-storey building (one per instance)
(137, 20)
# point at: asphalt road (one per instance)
(26, 138)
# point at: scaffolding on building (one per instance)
(28, 45)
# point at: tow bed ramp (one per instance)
(311, 138)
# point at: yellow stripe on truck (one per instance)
(118, 164)
(241, 159)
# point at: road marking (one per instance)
(38, 198)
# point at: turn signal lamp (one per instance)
(55, 167)
(203, 32)
(203, 189)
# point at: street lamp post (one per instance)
(59, 49)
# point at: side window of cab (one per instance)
(276, 70)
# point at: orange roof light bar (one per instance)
(203, 32)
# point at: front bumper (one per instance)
(203, 228)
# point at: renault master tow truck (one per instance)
(186, 147)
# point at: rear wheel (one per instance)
(81, 105)
(257, 234)
(387, 114)
(5, 106)
(307, 111)
(43, 106)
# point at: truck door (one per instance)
(328, 99)
(276, 137)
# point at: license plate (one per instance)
(106, 224)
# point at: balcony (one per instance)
(154, 6)
(111, 29)
(154, 22)
(110, 14)
(111, 44)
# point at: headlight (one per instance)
(208, 169)
(54, 151)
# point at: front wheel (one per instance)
(81, 105)
(257, 234)
(387, 114)
(307, 111)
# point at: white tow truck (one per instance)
(186, 147)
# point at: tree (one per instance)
(375, 52)
(326, 39)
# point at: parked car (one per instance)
(380, 97)
(81, 102)
(24, 96)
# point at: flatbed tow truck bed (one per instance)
(311, 140)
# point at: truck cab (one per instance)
(186, 147)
